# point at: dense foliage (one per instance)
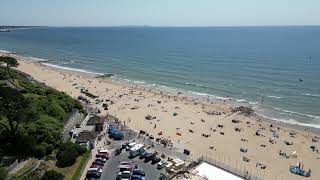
(31, 115)
(68, 154)
(52, 175)
(3, 173)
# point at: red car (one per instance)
(98, 167)
(102, 155)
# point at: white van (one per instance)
(136, 150)
(129, 146)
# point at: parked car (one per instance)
(161, 164)
(143, 155)
(96, 168)
(102, 155)
(155, 160)
(118, 151)
(97, 162)
(93, 174)
(124, 175)
(105, 151)
(124, 145)
(136, 150)
(138, 174)
(129, 146)
(169, 166)
(102, 159)
(125, 166)
(149, 157)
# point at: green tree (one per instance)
(9, 62)
(52, 175)
(14, 110)
(39, 151)
(67, 157)
(68, 153)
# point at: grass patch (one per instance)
(77, 174)
(73, 171)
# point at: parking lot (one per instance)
(110, 169)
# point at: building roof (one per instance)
(86, 136)
(212, 172)
(95, 120)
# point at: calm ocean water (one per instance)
(281, 64)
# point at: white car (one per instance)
(103, 151)
(169, 166)
(161, 164)
(126, 175)
(129, 146)
(95, 169)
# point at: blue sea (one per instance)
(277, 65)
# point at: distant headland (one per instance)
(12, 28)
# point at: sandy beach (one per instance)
(186, 121)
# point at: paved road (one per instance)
(110, 168)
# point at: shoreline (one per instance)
(228, 101)
(192, 127)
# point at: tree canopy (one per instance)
(14, 110)
(31, 115)
(9, 61)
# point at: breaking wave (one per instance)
(275, 97)
(312, 95)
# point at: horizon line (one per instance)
(177, 26)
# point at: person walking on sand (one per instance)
(155, 126)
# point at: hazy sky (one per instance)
(159, 12)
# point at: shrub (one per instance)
(56, 111)
(80, 149)
(47, 147)
(68, 154)
(52, 175)
(3, 173)
(67, 157)
(39, 151)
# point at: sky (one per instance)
(160, 12)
